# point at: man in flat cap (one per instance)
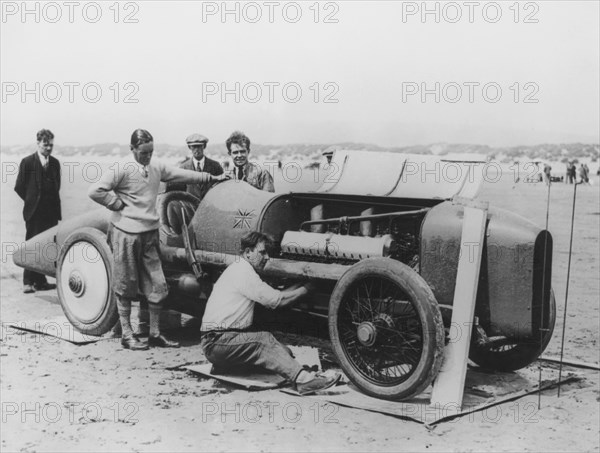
(198, 162)
(330, 151)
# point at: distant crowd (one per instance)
(571, 173)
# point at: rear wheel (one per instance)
(386, 329)
(511, 355)
(84, 282)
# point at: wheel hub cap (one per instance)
(367, 333)
(76, 283)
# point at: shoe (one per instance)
(130, 342)
(44, 286)
(161, 342)
(319, 382)
(28, 289)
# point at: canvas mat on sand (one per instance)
(56, 327)
(482, 390)
(60, 327)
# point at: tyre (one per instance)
(386, 329)
(513, 355)
(84, 282)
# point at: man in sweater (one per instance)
(129, 189)
(38, 184)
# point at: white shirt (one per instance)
(231, 303)
(199, 164)
(43, 159)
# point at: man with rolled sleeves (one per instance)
(230, 342)
(198, 162)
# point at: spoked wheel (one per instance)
(84, 282)
(386, 329)
(511, 355)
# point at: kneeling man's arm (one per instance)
(259, 291)
(294, 293)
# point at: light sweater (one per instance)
(125, 184)
(231, 302)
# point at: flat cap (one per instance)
(196, 139)
(330, 150)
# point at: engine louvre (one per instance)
(335, 246)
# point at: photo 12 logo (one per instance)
(270, 12)
(72, 412)
(70, 12)
(270, 92)
(471, 12)
(71, 92)
(254, 411)
(469, 92)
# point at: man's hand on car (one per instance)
(221, 177)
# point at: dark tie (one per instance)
(46, 164)
(241, 173)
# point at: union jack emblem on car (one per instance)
(242, 219)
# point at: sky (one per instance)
(389, 73)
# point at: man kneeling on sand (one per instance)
(228, 341)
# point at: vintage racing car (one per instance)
(381, 237)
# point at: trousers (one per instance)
(230, 349)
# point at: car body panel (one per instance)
(506, 283)
(400, 175)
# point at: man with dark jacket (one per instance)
(198, 162)
(38, 185)
(238, 147)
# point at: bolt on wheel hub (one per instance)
(76, 284)
(367, 333)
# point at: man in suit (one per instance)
(198, 162)
(238, 147)
(38, 185)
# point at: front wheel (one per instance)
(386, 329)
(84, 282)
